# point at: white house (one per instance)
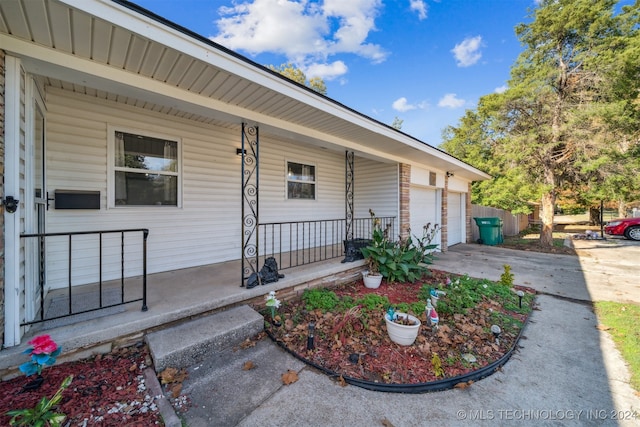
(117, 119)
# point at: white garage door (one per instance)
(424, 209)
(455, 219)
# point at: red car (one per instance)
(627, 227)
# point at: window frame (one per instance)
(288, 180)
(112, 168)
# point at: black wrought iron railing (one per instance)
(298, 243)
(115, 258)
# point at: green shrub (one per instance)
(42, 414)
(371, 302)
(401, 261)
(320, 298)
(506, 278)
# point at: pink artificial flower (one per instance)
(43, 344)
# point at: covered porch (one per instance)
(175, 296)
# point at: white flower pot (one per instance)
(372, 281)
(403, 334)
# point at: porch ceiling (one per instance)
(193, 77)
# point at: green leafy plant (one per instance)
(506, 278)
(372, 302)
(42, 414)
(437, 365)
(401, 261)
(375, 253)
(320, 298)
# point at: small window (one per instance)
(145, 170)
(301, 181)
(432, 178)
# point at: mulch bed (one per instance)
(347, 346)
(107, 390)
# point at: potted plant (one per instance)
(403, 328)
(374, 253)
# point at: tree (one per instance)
(397, 123)
(554, 128)
(297, 75)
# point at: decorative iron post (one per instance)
(349, 177)
(250, 193)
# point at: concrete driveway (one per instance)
(604, 270)
(566, 371)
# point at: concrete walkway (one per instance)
(567, 372)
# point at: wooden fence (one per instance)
(511, 224)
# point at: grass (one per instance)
(622, 321)
(527, 238)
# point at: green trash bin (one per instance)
(490, 231)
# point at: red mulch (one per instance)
(107, 390)
(362, 350)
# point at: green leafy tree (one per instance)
(555, 128)
(297, 75)
(397, 123)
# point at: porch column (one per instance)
(250, 197)
(405, 200)
(348, 193)
(467, 214)
(444, 227)
(2, 99)
(13, 102)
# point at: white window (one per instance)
(301, 181)
(146, 170)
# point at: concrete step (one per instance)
(191, 342)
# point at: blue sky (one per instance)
(424, 61)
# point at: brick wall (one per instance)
(2, 56)
(405, 200)
(468, 214)
(295, 292)
(444, 233)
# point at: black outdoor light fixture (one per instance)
(520, 295)
(10, 204)
(449, 174)
(240, 151)
(310, 343)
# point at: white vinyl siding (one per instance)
(376, 187)
(276, 207)
(274, 204)
(205, 230)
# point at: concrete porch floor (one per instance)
(172, 297)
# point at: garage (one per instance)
(455, 218)
(424, 209)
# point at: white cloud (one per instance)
(326, 71)
(402, 105)
(467, 52)
(307, 33)
(501, 89)
(451, 100)
(419, 6)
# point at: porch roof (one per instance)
(116, 49)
